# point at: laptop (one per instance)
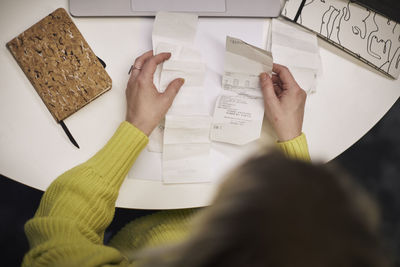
(209, 8)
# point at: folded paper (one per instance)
(239, 109)
(184, 138)
(297, 49)
(186, 153)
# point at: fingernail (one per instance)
(181, 80)
(263, 76)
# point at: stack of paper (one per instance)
(239, 110)
(184, 140)
(298, 50)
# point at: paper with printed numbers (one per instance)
(237, 119)
(239, 110)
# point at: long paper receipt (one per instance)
(239, 109)
(184, 142)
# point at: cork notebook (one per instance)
(60, 64)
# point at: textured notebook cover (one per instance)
(357, 30)
(60, 64)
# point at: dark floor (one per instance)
(374, 161)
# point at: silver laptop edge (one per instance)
(146, 8)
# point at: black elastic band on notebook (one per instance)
(102, 62)
(303, 2)
(71, 138)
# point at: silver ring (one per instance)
(134, 67)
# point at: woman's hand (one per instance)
(284, 102)
(145, 105)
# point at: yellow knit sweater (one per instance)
(68, 227)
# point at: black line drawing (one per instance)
(349, 25)
(357, 30)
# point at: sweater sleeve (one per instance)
(295, 148)
(68, 227)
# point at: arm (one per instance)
(78, 206)
(295, 148)
(284, 103)
(69, 225)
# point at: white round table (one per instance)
(351, 98)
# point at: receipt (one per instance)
(184, 138)
(175, 33)
(237, 119)
(156, 138)
(189, 101)
(239, 110)
(297, 49)
(243, 58)
(186, 152)
(176, 28)
(192, 72)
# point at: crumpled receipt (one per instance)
(186, 156)
(297, 49)
(183, 137)
(239, 109)
(175, 33)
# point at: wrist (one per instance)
(141, 125)
(287, 136)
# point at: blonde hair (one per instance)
(272, 211)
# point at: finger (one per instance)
(139, 62)
(284, 74)
(267, 89)
(275, 79)
(150, 65)
(173, 89)
(278, 90)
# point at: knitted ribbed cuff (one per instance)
(118, 155)
(296, 148)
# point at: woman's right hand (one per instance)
(284, 102)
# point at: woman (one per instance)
(270, 211)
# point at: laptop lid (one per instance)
(178, 5)
(213, 8)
